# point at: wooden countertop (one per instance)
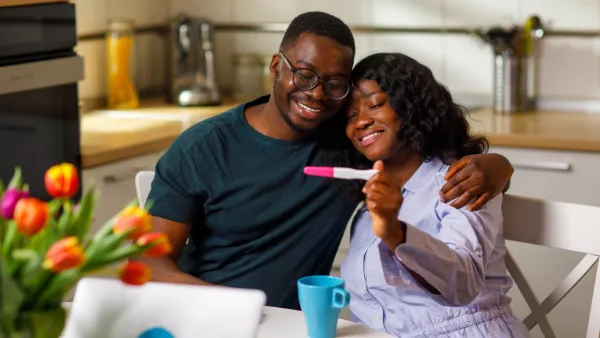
(570, 131)
(115, 135)
(110, 136)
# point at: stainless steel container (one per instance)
(192, 63)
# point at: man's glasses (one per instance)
(306, 79)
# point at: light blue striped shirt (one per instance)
(460, 253)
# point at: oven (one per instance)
(39, 104)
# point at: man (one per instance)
(234, 185)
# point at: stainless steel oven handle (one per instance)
(40, 74)
(547, 166)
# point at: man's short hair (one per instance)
(318, 23)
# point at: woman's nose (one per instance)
(363, 121)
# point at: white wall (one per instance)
(570, 66)
(93, 16)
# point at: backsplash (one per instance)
(149, 55)
(569, 67)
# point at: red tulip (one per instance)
(64, 255)
(62, 180)
(134, 273)
(134, 219)
(31, 215)
(159, 244)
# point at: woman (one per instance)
(418, 266)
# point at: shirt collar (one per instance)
(423, 174)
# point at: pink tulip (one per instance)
(9, 202)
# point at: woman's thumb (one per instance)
(378, 165)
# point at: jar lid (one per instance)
(120, 25)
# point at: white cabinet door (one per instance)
(565, 176)
(115, 184)
(561, 176)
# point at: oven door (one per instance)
(39, 119)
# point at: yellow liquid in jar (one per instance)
(121, 92)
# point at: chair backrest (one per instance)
(143, 182)
(558, 225)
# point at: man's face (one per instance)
(330, 63)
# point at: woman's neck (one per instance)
(403, 165)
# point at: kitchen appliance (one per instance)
(515, 77)
(39, 110)
(509, 92)
(192, 62)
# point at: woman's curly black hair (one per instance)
(432, 124)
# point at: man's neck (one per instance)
(267, 120)
(404, 165)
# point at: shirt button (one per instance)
(378, 318)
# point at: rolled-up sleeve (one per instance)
(453, 259)
(174, 191)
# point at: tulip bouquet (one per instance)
(46, 247)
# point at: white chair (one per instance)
(558, 225)
(143, 182)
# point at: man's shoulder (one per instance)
(202, 131)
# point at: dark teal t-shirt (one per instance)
(256, 220)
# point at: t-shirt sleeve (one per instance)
(175, 190)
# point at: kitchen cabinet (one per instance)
(115, 184)
(566, 176)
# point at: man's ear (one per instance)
(274, 67)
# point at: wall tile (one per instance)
(91, 15)
(224, 49)
(245, 11)
(364, 46)
(357, 12)
(473, 13)
(216, 11)
(407, 13)
(150, 62)
(142, 12)
(569, 67)
(424, 48)
(94, 55)
(561, 14)
(468, 65)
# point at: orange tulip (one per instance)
(159, 244)
(62, 180)
(134, 219)
(30, 215)
(134, 273)
(64, 255)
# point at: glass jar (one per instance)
(247, 77)
(119, 51)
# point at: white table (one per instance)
(278, 322)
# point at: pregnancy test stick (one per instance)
(342, 173)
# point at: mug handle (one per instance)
(341, 298)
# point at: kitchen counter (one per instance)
(569, 131)
(114, 135)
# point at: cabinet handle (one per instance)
(548, 166)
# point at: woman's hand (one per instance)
(476, 179)
(384, 199)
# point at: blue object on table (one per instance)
(321, 300)
(156, 332)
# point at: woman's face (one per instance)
(372, 125)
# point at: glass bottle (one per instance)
(122, 93)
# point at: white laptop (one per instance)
(108, 308)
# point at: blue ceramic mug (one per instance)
(321, 299)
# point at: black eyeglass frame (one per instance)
(295, 71)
